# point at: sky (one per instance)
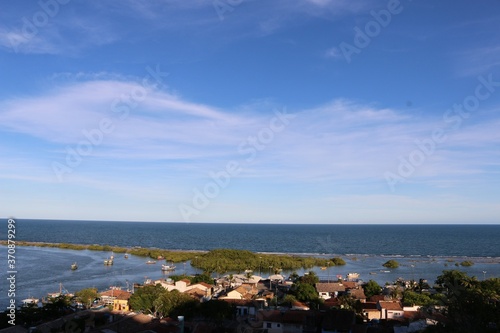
(304, 111)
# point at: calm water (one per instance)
(423, 251)
(434, 240)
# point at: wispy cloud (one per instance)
(340, 140)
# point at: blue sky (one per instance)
(306, 111)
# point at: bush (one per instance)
(466, 263)
(338, 261)
(391, 264)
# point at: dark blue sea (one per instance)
(423, 251)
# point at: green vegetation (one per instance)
(411, 298)
(225, 260)
(219, 260)
(471, 305)
(372, 288)
(391, 264)
(337, 261)
(466, 263)
(303, 289)
(87, 296)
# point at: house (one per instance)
(196, 293)
(328, 290)
(357, 293)
(244, 291)
(201, 290)
(121, 296)
(180, 285)
(275, 321)
(205, 287)
(370, 311)
(390, 309)
(246, 307)
(338, 321)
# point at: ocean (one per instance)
(423, 251)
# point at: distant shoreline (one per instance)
(172, 255)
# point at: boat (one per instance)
(352, 276)
(373, 273)
(62, 292)
(74, 266)
(150, 262)
(108, 262)
(167, 268)
(30, 301)
(126, 256)
(160, 257)
(323, 268)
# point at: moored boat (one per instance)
(167, 268)
(108, 262)
(150, 262)
(74, 266)
(30, 301)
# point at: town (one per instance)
(250, 303)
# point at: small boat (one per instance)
(323, 268)
(150, 262)
(126, 256)
(352, 276)
(30, 301)
(108, 262)
(373, 273)
(74, 266)
(160, 257)
(167, 268)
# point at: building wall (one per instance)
(372, 315)
(120, 305)
(272, 327)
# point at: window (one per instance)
(268, 325)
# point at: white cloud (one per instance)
(169, 145)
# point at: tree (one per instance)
(391, 264)
(294, 277)
(144, 298)
(372, 288)
(289, 300)
(87, 296)
(305, 292)
(472, 306)
(310, 278)
(412, 298)
(168, 301)
(216, 311)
